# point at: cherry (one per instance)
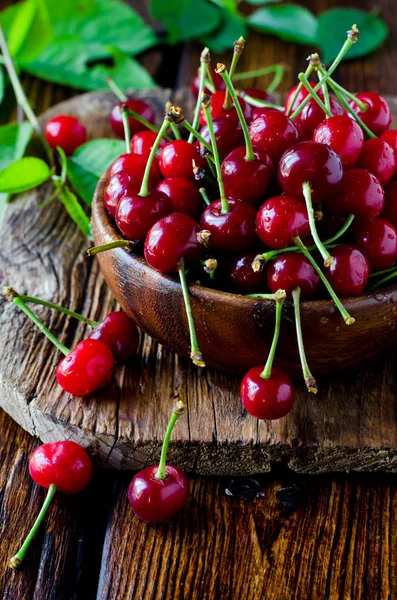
(66, 132)
(178, 158)
(344, 136)
(141, 107)
(136, 214)
(142, 143)
(274, 132)
(228, 134)
(280, 220)
(349, 271)
(184, 195)
(267, 399)
(390, 137)
(217, 109)
(217, 80)
(135, 162)
(242, 277)
(158, 492)
(247, 180)
(379, 159)
(123, 183)
(120, 333)
(86, 368)
(310, 162)
(290, 270)
(390, 210)
(302, 94)
(232, 231)
(312, 115)
(359, 193)
(377, 240)
(377, 116)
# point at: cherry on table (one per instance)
(228, 134)
(344, 136)
(267, 399)
(377, 116)
(66, 132)
(274, 132)
(184, 195)
(390, 209)
(124, 183)
(242, 277)
(379, 159)
(349, 271)
(312, 115)
(178, 158)
(136, 214)
(141, 107)
(232, 231)
(359, 193)
(290, 270)
(280, 220)
(247, 180)
(377, 240)
(119, 332)
(217, 109)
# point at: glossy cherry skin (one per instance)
(137, 163)
(216, 78)
(379, 159)
(267, 399)
(280, 220)
(184, 195)
(135, 215)
(171, 239)
(124, 183)
(217, 109)
(359, 193)
(312, 115)
(243, 278)
(349, 272)
(233, 231)
(228, 134)
(64, 464)
(377, 240)
(312, 162)
(87, 368)
(177, 159)
(290, 270)
(344, 136)
(377, 117)
(120, 333)
(390, 210)
(157, 500)
(273, 132)
(66, 132)
(139, 106)
(390, 137)
(247, 180)
(303, 93)
(142, 143)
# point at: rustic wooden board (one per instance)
(350, 424)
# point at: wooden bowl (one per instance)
(235, 332)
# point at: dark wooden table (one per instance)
(340, 542)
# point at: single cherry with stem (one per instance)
(63, 466)
(343, 135)
(280, 220)
(66, 132)
(359, 193)
(142, 144)
(274, 132)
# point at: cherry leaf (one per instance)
(75, 211)
(185, 19)
(231, 28)
(289, 22)
(24, 174)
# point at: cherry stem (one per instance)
(249, 152)
(17, 559)
(302, 77)
(325, 92)
(12, 296)
(161, 472)
(345, 315)
(144, 191)
(210, 81)
(210, 266)
(206, 103)
(126, 124)
(267, 371)
(310, 382)
(196, 135)
(276, 68)
(308, 72)
(61, 309)
(147, 124)
(307, 193)
(116, 89)
(195, 353)
(175, 131)
(388, 277)
(204, 195)
(204, 58)
(384, 272)
(277, 297)
(259, 103)
(237, 51)
(363, 106)
(127, 244)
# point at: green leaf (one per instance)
(262, 2)
(287, 21)
(75, 211)
(232, 27)
(186, 20)
(30, 30)
(13, 141)
(332, 27)
(89, 162)
(23, 175)
(2, 85)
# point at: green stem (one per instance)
(267, 371)
(249, 152)
(204, 195)
(260, 103)
(307, 193)
(61, 309)
(378, 284)
(310, 382)
(210, 81)
(302, 77)
(237, 50)
(258, 72)
(175, 131)
(279, 296)
(127, 244)
(308, 72)
(117, 91)
(126, 124)
(384, 272)
(161, 472)
(17, 559)
(137, 117)
(361, 105)
(207, 111)
(345, 315)
(196, 135)
(325, 92)
(144, 191)
(195, 353)
(196, 117)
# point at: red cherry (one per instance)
(280, 220)
(137, 163)
(135, 215)
(359, 193)
(303, 93)
(184, 195)
(379, 159)
(142, 143)
(141, 107)
(217, 109)
(66, 132)
(228, 134)
(349, 272)
(87, 368)
(120, 333)
(127, 182)
(157, 500)
(390, 210)
(312, 115)
(242, 277)
(331, 223)
(344, 136)
(312, 162)
(247, 180)
(377, 239)
(177, 159)
(216, 78)
(390, 137)
(290, 270)
(233, 231)
(267, 399)
(64, 464)
(377, 117)
(171, 239)
(273, 132)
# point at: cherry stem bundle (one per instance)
(195, 352)
(308, 72)
(161, 472)
(144, 191)
(204, 60)
(303, 79)
(363, 106)
(267, 371)
(310, 382)
(307, 193)
(325, 93)
(196, 135)
(206, 103)
(18, 558)
(238, 48)
(58, 308)
(126, 244)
